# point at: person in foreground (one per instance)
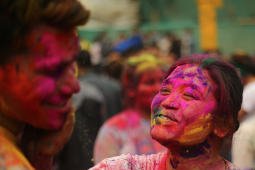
(38, 47)
(195, 110)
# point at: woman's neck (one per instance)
(12, 125)
(197, 157)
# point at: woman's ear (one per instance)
(221, 131)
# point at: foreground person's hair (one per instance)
(18, 17)
(229, 92)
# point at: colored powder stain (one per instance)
(205, 84)
(195, 130)
(196, 150)
(152, 120)
(154, 123)
(209, 61)
(206, 62)
(155, 109)
(174, 166)
(199, 71)
(208, 116)
(202, 124)
(200, 128)
(92, 160)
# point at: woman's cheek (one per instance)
(156, 103)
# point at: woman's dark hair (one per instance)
(229, 92)
(18, 17)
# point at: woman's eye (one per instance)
(164, 91)
(189, 96)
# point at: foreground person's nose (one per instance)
(171, 103)
(70, 85)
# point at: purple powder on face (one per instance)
(174, 166)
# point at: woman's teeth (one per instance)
(163, 117)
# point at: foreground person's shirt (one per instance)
(11, 158)
(144, 162)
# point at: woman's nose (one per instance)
(171, 103)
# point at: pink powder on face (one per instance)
(45, 86)
(38, 92)
(59, 50)
(186, 100)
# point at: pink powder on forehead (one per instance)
(53, 49)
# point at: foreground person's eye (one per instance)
(164, 91)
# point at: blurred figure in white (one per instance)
(243, 148)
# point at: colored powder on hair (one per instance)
(206, 62)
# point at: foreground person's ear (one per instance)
(221, 131)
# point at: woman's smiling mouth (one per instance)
(166, 116)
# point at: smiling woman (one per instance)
(193, 113)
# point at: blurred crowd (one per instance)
(119, 79)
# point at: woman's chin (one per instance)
(162, 135)
(168, 137)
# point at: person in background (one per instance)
(90, 114)
(243, 148)
(187, 42)
(128, 131)
(38, 48)
(132, 46)
(174, 52)
(110, 88)
(114, 69)
(195, 110)
(247, 68)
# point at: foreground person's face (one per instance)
(36, 87)
(182, 112)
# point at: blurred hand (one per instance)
(40, 146)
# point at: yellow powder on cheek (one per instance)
(152, 120)
(197, 130)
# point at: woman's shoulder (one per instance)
(230, 166)
(121, 120)
(131, 162)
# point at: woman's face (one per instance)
(182, 111)
(36, 87)
(148, 87)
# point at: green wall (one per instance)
(236, 22)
